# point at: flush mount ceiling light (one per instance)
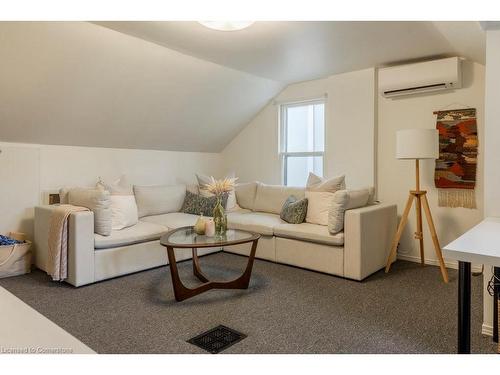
(226, 25)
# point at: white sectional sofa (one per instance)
(360, 250)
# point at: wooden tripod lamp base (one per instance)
(417, 144)
(420, 198)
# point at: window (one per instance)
(302, 140)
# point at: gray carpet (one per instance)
(285, 310)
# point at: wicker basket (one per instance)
(15, 259)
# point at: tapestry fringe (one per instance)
(457, 198)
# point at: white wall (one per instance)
(492, 129)
(397, 177)
(491, 151)
(350, 131)
(27, 171)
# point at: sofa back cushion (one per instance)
(270, 198)
(245, 194)
(159, 199)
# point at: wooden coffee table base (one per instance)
(181, 292)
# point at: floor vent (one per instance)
(217, 339)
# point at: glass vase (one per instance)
(220, 218)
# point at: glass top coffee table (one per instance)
(186, 238)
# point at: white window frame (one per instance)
(284, 154)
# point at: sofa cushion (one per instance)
(172, 220)
(239, 211)
(309, 232)
(141, 232)
(159, 199)
(270, 198)
(257, 222)
(245, 194)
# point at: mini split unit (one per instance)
(424, 77)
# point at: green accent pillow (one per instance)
(294, 210)
(196, 204)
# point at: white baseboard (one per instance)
(487, 330)
(448, 263)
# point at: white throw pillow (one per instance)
(203, 180)
(123, 211)
(346, 200)
(98, 201)
(118, 187)
(337, 210)
(317, 183)
(318, 206)
(319, 193)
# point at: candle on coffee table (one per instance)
(209, 228)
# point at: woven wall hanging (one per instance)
(455, 173)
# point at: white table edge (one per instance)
(480, 244)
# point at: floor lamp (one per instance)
(417, 144)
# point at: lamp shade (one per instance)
(417, 144)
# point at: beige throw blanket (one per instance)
(57, 264)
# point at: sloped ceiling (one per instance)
(76, 83)
(300, 51)
(179, 85)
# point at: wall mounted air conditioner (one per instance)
(418, 78)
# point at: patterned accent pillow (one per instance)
(294, 210)
(196, 204)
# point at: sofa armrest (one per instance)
(368, 232)
(80, 244)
